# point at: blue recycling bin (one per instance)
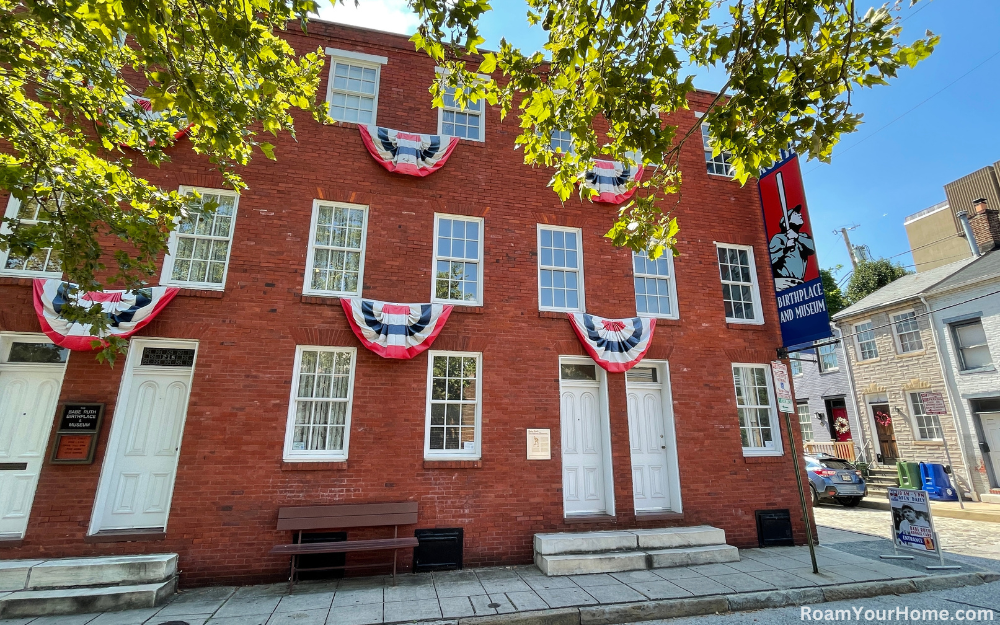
(936, 482)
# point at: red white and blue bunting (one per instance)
(610, 179)
(616, 345)
(395, 330)
(127, 311)
(405, 152)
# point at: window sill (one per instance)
(837, 370)
(911, 354)
(306, 465)
(189, 292)
(453, 464)
(590, 518)
(126, 536)
(762, 453)
(712, 176)
(25, 277)
(322, 300)
(662, 321)
(987, 369)
(928, 443)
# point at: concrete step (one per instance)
(102, 571)
(585, 563)
(28, 603)
(672, 537)
(691, 556)
(628, 540)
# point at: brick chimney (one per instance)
(985, 222)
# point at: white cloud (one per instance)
(388, 15)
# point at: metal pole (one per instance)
(802, 494)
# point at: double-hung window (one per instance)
(352, 94)
(562, 141)
(827, 358)
(720, 164)
(319, 411)
(928, 426)
(198, 251)
(970, 343)
(740, 293)
(454, 405)
(336, 260)
(458, 260)
(864, 335)
(907, 332)
(796, 364)
(42, 261)
(560, 269)
(755, 407)
(805, 420)
(467, 123)
(655, 291)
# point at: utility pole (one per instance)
(850, 248)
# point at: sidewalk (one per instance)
(974, 510)
(763, 578)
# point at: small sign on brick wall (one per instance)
(76, 438)
(539, 444)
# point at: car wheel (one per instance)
(849, 502)
(815, 496)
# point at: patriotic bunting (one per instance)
(616, 345)
(127, 311)
(154, 116)
(610, 179)
(405, 152)
(395, 330)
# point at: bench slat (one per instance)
(363, 509)
(377, 520)
(346, 546)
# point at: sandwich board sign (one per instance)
(913, 525)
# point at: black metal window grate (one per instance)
(164, 357)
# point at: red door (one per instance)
(841, 413)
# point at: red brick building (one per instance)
(196, 459)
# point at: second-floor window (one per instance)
(907, 332)
(970, 343)
(740, 294)
(42, 261)
(865, 337)
(352, 94)
(928, 426)
(199, 247)
(458, 256)
(467, 123)
(827, 358)
(562, 141)
(796, 365)
(805, 420)
(655, 293)
(560, 269)
(335, 265)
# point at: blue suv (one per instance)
(836, 479)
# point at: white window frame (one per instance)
(895, 333)
(709, 157)
(671, 285)
(480, 261)
(13, 206)
(369, 61)
(802, 432)
(454, 454)
(307, 288)
(857, 341)
(538, 275)
(556, 138)
(819, 359)
(168, 260)
(778, 449)
(758, 311)
(917, 435)
(956, 340)
(290, 455)
(482, 112)
(794, 363)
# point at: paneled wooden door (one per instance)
(650, 440)
(584, 444)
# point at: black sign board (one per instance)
(76, 438)
(81, 417)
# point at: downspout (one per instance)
(952, 390)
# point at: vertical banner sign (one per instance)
(782, 388)
(801, 304)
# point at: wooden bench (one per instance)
(303, 518)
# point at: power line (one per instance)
(951, 236)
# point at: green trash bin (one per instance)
(909, 475)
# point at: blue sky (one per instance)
(900, 159)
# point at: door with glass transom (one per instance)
(655, 487)
(585, 436)
(31, 376)
(137, 478)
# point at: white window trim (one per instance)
(895, 334)
(538, 273)
(698, 116)
(957, 344)
(773, 410)
(311, 251)
(438, 71)
(288, 455)
(672, 281)
(819, 361)
(13, 205)
(370, 61)
(480, 261)
(758, 311)
(453, 454)
(857, 341)
(914, 424)
(168, 260)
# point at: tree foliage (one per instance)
(835, 301)
(870, 276)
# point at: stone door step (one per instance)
(616, 562)
(628, 540)
(85, 572)
(25, 603)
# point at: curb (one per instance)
(719, 604)
(965, 515)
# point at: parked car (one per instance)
(836, 479)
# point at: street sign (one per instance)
(782, 388)
(933, 403)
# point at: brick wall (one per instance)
(231, 478)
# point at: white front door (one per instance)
(651, 442)
(31, 375)
(137, 479)
(991, 428)
(584, 440)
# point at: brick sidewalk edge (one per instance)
(721, 604)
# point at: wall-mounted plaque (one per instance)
(539, 445)
(76, 438)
